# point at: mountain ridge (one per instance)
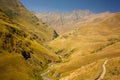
(59, 20)
(31, 50)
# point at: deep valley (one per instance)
(76, 45)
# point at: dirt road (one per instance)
(103, 72)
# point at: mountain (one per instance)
(23, 55)
(89, 49)
(63, 21)
(84, 51)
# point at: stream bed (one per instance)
(46, 72)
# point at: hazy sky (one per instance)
(69, 5)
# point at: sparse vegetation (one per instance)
(91, 42)
(22, 55)
(26, 49)
(113, 69)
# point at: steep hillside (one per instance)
(85, 53)
(22, 54)
(28, 21)
(63, 21)
(91, 43)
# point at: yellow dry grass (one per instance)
(91, 42)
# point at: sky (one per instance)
(70, 5)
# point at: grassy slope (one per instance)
(28, 21)
(22, 55)
(88, 72)
(91, 42)
(113, 69)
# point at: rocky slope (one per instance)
(63, 21)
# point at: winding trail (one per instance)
(101, 76)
